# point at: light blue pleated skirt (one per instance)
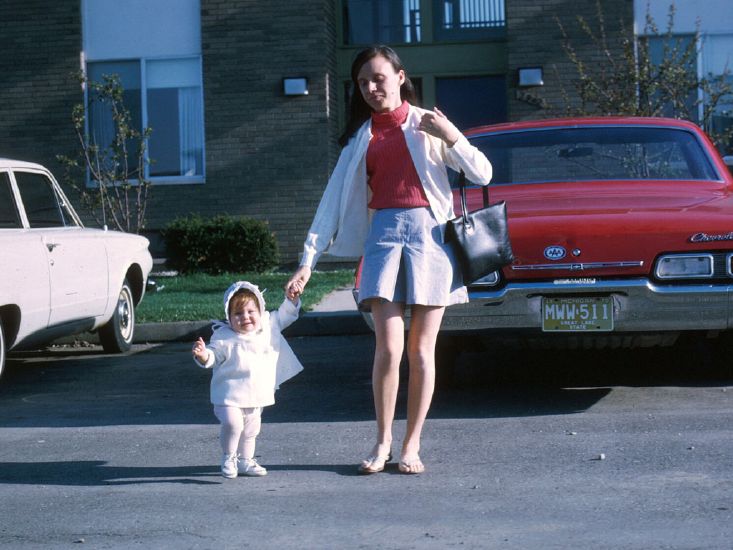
(405, 260)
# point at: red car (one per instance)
(622, 230)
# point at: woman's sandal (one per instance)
(411, 466)
(374, 464)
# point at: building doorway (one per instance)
(472, 100)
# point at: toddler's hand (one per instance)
(199, 351)
(296, 284)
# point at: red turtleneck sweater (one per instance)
(391, 174)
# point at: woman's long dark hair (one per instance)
(359, 111)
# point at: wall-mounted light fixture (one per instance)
(295, 86)
(530, 76)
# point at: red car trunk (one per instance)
(607, 222)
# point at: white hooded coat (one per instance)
(248, 368)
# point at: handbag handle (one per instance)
(462, 187)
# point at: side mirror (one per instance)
(728, 160)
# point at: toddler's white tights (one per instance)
(239, 429)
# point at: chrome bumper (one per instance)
(639, 306)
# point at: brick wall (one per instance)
(534, 39)
(267, 156)
(41, 43)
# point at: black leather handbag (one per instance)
(480, 238)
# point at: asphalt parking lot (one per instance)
(523, 450)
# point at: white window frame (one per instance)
(155, 180)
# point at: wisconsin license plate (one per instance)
(577, 314)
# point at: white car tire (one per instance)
(116, 336)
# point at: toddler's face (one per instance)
(245, 317)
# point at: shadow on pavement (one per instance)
(97, 473)
(92, 473)
(160, 385)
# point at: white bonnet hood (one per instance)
(237, 286)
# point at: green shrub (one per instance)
(220, 244)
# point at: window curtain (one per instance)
(191, 138)
(101, 127)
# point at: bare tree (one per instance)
(637, 83)
(108, 173)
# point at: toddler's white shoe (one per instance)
(249, 467)
(229, 466)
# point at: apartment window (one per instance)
(713, 63)
(381, 21)
(658, 48)
(159, 65)
(466, 20)
(717, 59)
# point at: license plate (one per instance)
(577, 314)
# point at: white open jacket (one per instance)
(341, 223)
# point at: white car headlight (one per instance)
(684, 266)
(490, 280)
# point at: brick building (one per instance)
(209, 78)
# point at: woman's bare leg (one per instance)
(424, 327)
(389, 328)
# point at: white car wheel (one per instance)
(116, 335)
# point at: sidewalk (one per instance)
(336, 314)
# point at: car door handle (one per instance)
(51, 246)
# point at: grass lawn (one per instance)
(200, 297)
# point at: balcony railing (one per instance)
(463, 20)
(398, 21)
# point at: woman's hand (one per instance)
(436, 124)
(294, 290)
(296, 284)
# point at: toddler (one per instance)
(250, 359)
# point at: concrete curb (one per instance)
(331, 323)
(335, 315)
(309, 324)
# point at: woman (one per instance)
(388, 200)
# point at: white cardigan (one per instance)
(341, 223)
(248, 368)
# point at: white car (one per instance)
(57, 277)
